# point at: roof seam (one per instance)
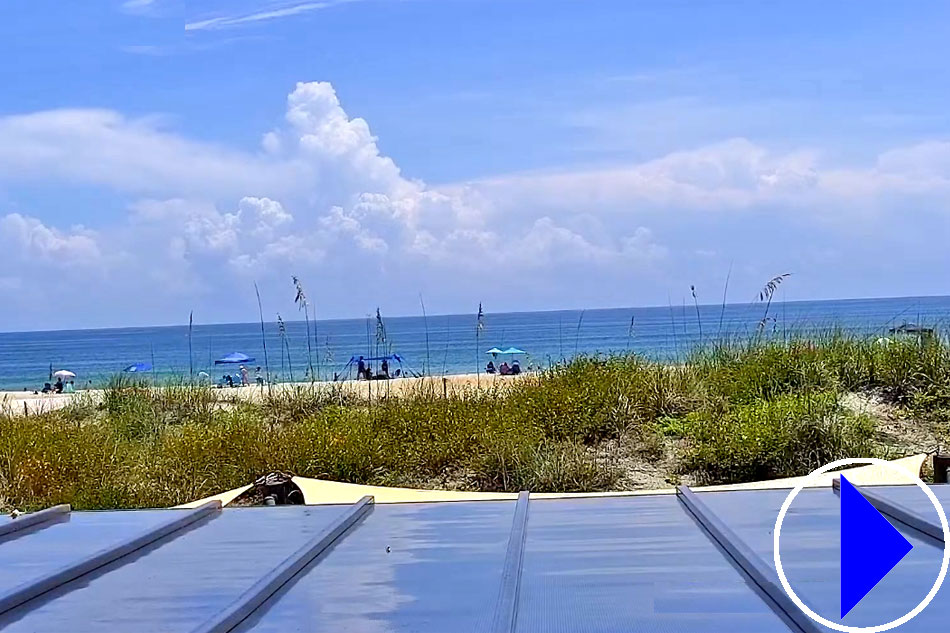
(506, 609)
(900, 513)
(748, 561)
(268, 585)
(24, 593)
(35, 518)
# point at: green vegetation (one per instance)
(730, 413)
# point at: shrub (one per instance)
(732, 412)
(788, 436)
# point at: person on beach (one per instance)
(360, 369)
(490, 368)
(229, 380)
(258, 378)
(504, 370)
(58, 387)
(47, 388)
(515, 367)
(70, 387)
(244, 379)
(384, 369)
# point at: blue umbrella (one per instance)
(234, 358)
(513, 350)
(494, 350)
(138, 368)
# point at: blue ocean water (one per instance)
(440, 344)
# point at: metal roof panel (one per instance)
(177, 583)
(635, 564)
(441, 574)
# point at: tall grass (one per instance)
(731, 412)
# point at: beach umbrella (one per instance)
(513, 350)
(494, 350)
(234, 358)
(63, 373)
(138, 368)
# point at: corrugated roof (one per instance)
(691, 562)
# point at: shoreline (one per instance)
(29, 403)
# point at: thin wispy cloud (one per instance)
(225, 22)
(138, 6)
(144, 49)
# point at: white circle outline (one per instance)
(842, 627)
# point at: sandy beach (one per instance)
(29, 403)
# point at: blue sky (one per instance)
(160, 156)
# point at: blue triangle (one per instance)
(870, 547)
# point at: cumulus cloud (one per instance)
(732, 174)
(27, 240)
(319, 197)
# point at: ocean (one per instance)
(439, 344)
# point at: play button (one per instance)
(870, 547)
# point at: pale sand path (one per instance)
(321, 491)
(26, 402)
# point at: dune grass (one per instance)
(730, 413)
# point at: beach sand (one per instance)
(28, 403)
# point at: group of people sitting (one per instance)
(365, 372)
(59, 386)
(504, 369)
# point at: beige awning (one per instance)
(322, 492)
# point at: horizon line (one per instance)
(457, 314)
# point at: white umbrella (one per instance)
(64, 373)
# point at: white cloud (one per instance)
(134, 6)
(732, 174)
(319, 199)
(27, 240)
(268, 214)
(102, 147)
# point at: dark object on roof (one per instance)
(273, 489)
(25, 521)
(689, 563)
(234, 358)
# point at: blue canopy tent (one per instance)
(234, 358)
(138, 368)
(511, 351)
(354, 361)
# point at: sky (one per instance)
(160, 156)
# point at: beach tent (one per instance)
(354, 360)
(138, 368)
(234, 358)
(395, 357)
